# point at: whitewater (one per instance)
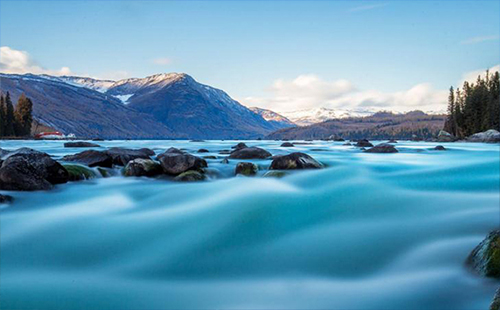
(369, 231)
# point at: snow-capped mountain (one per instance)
(273, 117)
(318, 115)
(95, 84)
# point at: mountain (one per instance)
(381, 125)
(160, 106)
(278, 120)
(318, 115)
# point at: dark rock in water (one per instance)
(142, 167)
(250, 153)
(80, 144)
(44, 165)
(495, 303)
(275, 174)
(3, 153)
(6, 198)
(287, 144)
(239, 146)
(489, 136)
(347, 144)
(190, 176)
(295, 160)
(19, 175)
(224, 152)
(439, 148)
(97, 139)
(363, 143)
(197, 140)
(122, 156)
(210, 157)
(248, 169)
(175, 162)
(202, 151)
(225, 161)
(91, 158)
(485, 258)
(79, 173)
(382, 148)
(392, 141)
(338, 140)
(444, 136)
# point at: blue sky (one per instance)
(266, 52)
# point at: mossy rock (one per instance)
(79, 173)
(275, 174)
(104, 173)
(247, 169)
(485, 258)
(190, 176)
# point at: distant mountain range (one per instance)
(318, 115)
(160, 106)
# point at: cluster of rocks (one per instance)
(484, 260)
(489, 136)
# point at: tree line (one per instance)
(475, 107)
(15, 122)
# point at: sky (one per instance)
(280, 55)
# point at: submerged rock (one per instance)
(210, 157)
(122, 156)
(250, 153)
(295, 160)
(142, 167)
(175, 162)
(202, 151)
(244, 168)
(445, 136)
(363, 143)
(382, 148)
(79, 173)
(190, 176)
(287, 144)
(495, 303)
(6, 198)
(489, 136)
(439, 148)
(275, 174)
(485, 258)
(91, 158)
(80, 144)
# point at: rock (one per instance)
(6, 198)
(210, 157)
(250, 153)
(485, 258)
(392, 141)
(287, 144)
(190, 176)
(444, 136)
(275, 174)
(439, 148)
(489, 136)
(248, 169)
(79, 173)
(98, 139)
(3, 153)
(80, 144)
(239, 146)
(175, 162)
(202, 151)
(104, 173)
(197, 140)
(224, 152)
(495, 303)
(295, 160)
(91, 158)
(122, 156)
(347, 144)
(364, 143)
(19, 175)
(225, 161)
(382, 148)
(142, 167)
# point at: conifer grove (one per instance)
(15, 122)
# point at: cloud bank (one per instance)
(20, 62)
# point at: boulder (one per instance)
(17, 174)
(190, 176)
(495, 303)
(91, 158)
(485, 258)
(363, 143)
(382, 148)
(295, 160)
(287, 144)
(79, 173)
(439, 148)
(210, 157)
(244, 168)
(6, 198)
(250, 153)
(489, 136)
(202, 151)
(444, 136)
(80, 144)
(122, 156)
(142, 167)
(175, 162)
(239, 146)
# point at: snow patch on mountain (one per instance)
(124, 98)
(272, 116)
(318, 115)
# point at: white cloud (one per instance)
(480, 39)
(471, 76)
(20, 62)
(368, 7)
(310, 91)
(163, 61)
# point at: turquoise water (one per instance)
(371, 231)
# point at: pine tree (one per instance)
(2, 116)
(450, 125)
(23, 116)
(9, 117)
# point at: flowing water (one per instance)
(371, 231)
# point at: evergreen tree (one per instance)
(2, 116)
(23, 116)
(9, 117)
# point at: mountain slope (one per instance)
(278, 120)
(318, 115)
(80, 110)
